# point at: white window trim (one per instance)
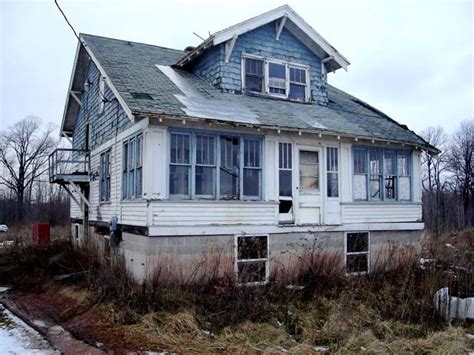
(236, 260)
(329, 171)
(357, 253)
(266, 77)
(102, 177)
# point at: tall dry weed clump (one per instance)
(316, 302)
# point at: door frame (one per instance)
(296, 176)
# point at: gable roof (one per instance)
(288, 19)
(136, 68)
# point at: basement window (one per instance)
(357, 252)
(252, 262)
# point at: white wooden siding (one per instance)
(375, 213)
(188, 213)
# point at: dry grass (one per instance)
(388, 311)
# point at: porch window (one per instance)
(252, 261)
(180, 164)
(104, 173)
(205, 173)
(404, 178)
(381, 174)
(215, 166)
(132, 162)
(357, 252)
(332, 167)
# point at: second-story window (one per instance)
(254, 78)
(276, 78)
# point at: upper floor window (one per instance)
(276, 78)
(132, 154)
(381, 174)
(224, 166)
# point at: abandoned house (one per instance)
(240, 145)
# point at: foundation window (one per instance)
(357, 252)
(252, 263)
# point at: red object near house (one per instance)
(40, 233)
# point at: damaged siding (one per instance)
(103, 126)
(262, 42)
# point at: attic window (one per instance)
(141, 96)
(275, 78)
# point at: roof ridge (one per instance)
(127, 41)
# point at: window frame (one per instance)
(382, 175)
(217, 144)
(357, 253)
(337, 172)
(103, 178)
(237, 261)
(129, 192)
(266, 77)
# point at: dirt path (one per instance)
(30, 323)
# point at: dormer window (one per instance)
(254, 78)
(275, 78)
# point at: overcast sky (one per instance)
(411, 59)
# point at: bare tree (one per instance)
(24, 150)
(461, 163)
(435, 165)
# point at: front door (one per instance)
(309, 186)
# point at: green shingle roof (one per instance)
(135, 68)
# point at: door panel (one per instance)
(309, 186)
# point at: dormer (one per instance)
(274, 55)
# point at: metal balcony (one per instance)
(69, 166)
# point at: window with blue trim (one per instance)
(215, 166)
(381, 174)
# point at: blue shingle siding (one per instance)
(261, 41)
(103, 126)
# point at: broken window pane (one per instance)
(375, 175)
(230, 167)
(249, 272)
(390, 171)
(357, 242)
(357, 263)
(204, 180)
(252, 247)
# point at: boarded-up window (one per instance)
(357, 252)
(251, 263)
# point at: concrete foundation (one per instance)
(191, 258)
